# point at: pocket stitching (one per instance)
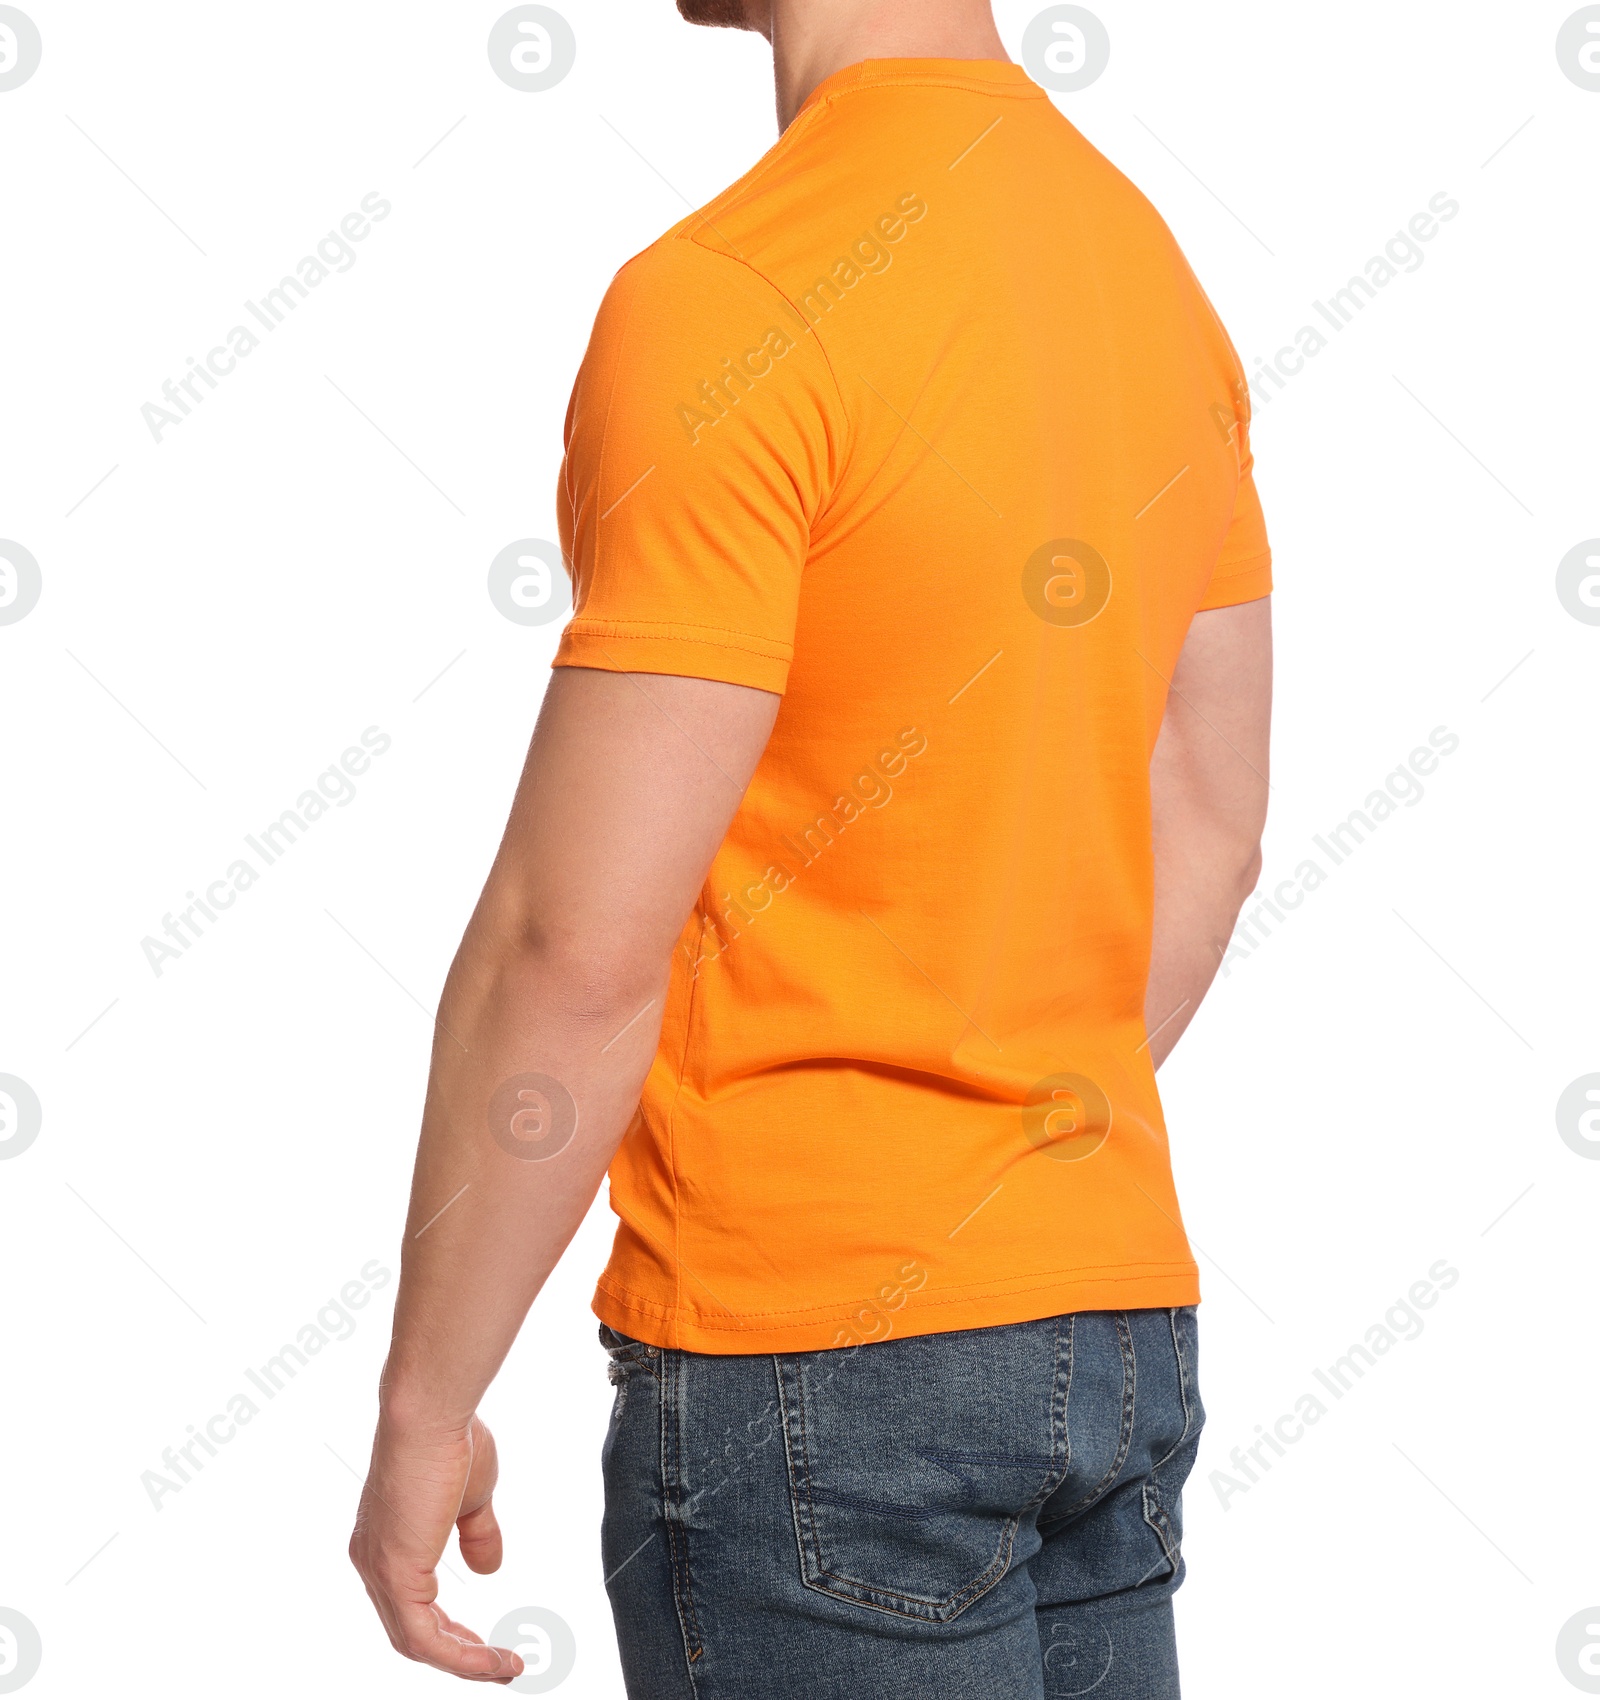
(853, 1589)
(980, 1585)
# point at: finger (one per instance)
(477, 1528)
(482, 1545)
(512, 1660)
(483, 1470)
(425, 1638)
(459, 1630)
(471, 1638)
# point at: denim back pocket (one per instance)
(912, 1463)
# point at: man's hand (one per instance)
(419, 1485)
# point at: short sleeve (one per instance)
(1243, 572)
(700, 445)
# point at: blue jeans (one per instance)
(991, 1514)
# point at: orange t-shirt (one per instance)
(925, 424)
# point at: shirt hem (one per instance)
(1249, 581)
(1148, 1287)
(614, 651)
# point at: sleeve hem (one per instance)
(759, 664)
(1247, 581)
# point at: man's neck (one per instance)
(811, 39)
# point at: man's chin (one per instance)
(718, 14)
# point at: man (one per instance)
(900, 780)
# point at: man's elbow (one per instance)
(1226, 854)
(598, 980)
(589, 977)
(1237, 863)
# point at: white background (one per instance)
(230, 1141)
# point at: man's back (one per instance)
(926, 424)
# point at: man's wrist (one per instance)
(414, 1403)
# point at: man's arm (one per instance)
(1208, 794)
(630, 784)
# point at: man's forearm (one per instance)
(536, 1072)
(1202, 880)
(552, 1009)
(1208, 804)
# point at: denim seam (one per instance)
(1060, 1396)
(1155, 1512)
(1066, 1396)
(1184, 1383)
(677, 1494)
(1125, 1438)
(677, 1536)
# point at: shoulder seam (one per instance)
(810, 330)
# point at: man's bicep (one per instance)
(1213, 749)
(631, 782)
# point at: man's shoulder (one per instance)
(682, 283)
(745, 228)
